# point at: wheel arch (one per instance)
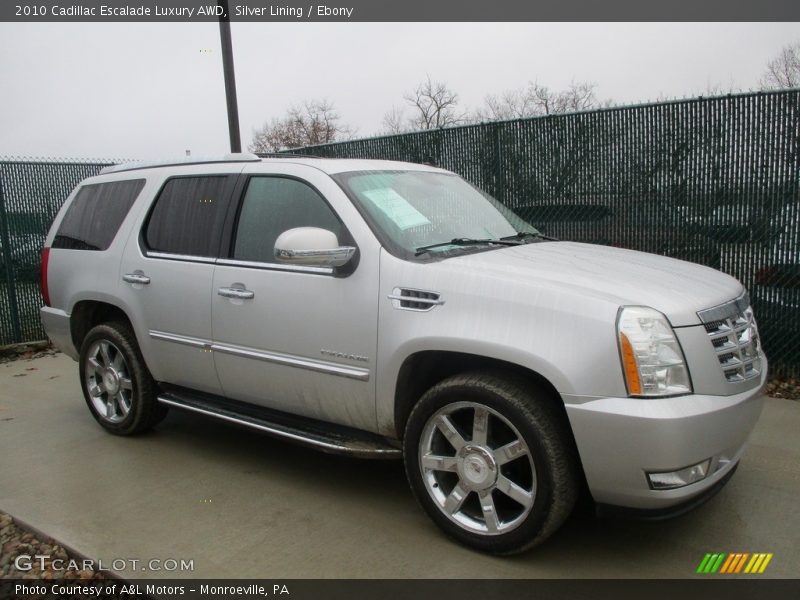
(87, 313)
(423, 369)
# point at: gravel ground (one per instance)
(784, 387)
(16, 541)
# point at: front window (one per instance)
(273, 205)
(417, 209)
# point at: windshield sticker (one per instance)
(397, 208)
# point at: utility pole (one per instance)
(230, 78)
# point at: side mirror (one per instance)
(311, 247)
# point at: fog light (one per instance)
(677, 479)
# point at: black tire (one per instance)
(554, 479)
(138, 409)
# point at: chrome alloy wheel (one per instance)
(108, 381)
(477, 468)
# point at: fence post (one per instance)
(499, 191)
(11, 288)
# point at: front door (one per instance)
(296, 339)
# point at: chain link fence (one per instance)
(31, 192)
(711, 180)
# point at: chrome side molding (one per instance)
(330, 368)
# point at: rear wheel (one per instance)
(119, 390)
(491, 461)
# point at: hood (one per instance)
(674, 287)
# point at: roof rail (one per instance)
(287, 155)
(189, 160)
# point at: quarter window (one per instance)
(273, 205)
(96, 214)
(188, 216)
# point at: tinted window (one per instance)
(95, 215)
(188, 216)
(271, 206)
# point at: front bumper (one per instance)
(669, 512)
(620, 440)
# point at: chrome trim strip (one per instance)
(295, 361)
(415, 299)
(227, 262)
(183, 257)
(292, 435)
(726, 310)
(179, 339)
(335, 257)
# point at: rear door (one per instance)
(167, 272)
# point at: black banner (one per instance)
(440, 589)
(405, 11)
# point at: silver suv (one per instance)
(384, 309)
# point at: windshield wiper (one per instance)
(465, 242)
(521, 235)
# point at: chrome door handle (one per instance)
(236, 293)
(140, 278)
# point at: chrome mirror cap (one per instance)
(311, 247)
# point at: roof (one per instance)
(328, 165)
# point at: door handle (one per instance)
(137, 277)
(238, 293)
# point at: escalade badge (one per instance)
(336, 354)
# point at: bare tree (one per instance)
(511, 104)
(310, 123)
(537, 100)
(433, 105)
(578, 96)
(394, 120)
(783, 71)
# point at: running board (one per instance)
(331, 438)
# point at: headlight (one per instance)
(652, 359)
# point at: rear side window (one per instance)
(95, 215)
(188, 216)
(273, 205)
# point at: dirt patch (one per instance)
(26, 351)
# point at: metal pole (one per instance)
(230, 79)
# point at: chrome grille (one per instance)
(734, 337)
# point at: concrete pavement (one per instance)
(240, 504)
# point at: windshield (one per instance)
(415, 209)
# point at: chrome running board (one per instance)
(331, 438)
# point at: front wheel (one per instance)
(491, 461)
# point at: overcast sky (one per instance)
(155, 90)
